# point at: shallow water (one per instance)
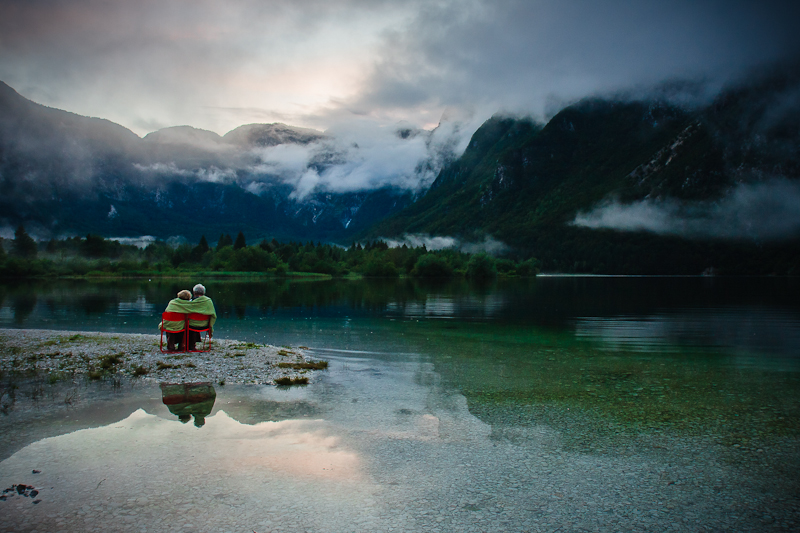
(572, 403)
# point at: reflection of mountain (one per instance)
(747, 330)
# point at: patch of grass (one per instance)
(161, 365)
(95, 374)
(107, 362)
(302, 347)
(309, 365)
(285, 353)
(139, 371)
(286, 381)
(190, 365)
(247, 345)
(77, 337)
(221, 383)
(53, 378)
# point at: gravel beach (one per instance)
(104, 354)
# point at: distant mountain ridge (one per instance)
(62, 173)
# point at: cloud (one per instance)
(140, 242)
(517, 54)
(211, 174)
(357, 68)
(489, 245)
(151, 64)
(763, 212)
(359, 155)
(415, 240)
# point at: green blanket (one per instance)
(201, 304)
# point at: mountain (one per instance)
(527, 184)
(623, 184)
(62, 173)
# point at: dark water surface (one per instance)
(572, 402)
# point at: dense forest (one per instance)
(93, 255)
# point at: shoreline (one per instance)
(99, 355)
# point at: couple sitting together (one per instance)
(185, 304)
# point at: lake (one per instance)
(555, 403)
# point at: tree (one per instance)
(432, 266)
(481, 266)
(240, 242)
(23, 245)
(199, 250)
(224, 240)
(203, 245)
(529, 267)
(94, 246)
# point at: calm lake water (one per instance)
(559, 403)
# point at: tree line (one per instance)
(94, 255)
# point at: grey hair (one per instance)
(199, 289)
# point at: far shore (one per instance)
(97, 355)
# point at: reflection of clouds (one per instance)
(437, 305)
(302, 449)
(755, 329)
(225, 476)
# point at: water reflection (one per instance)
(753, 330)
(187, 400)
(744, 314)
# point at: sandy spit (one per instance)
(105, 355)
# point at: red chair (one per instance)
(173, 317)
(198, 317)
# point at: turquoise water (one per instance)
(579, 403)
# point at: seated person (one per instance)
(204, 305)
(175, 340)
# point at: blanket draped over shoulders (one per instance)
(202, 304)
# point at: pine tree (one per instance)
(224, 240)
(24, 245)
(240, 242)
(203, 244)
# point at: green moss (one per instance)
(286, 381)
(309, 365)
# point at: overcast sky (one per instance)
(148, 64)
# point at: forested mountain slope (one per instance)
(525, 184)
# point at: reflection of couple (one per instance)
(185, 400)
(185, 304)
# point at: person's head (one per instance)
(185, 295)
(199, 290)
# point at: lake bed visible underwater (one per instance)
(551, 404)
